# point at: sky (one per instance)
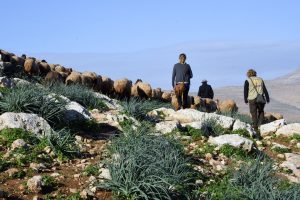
(142, 39)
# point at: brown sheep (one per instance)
(74, 78)
(53, 77)
(107, 86)
(166, 96)
(270, 117)
(15, 60)
(89, 79)
(227, 106)
(142, 90)
(156, 93)
(64, 76)
(52, 67)
(59, 68)
(122, 88)
(44, 67)
(175, 102)
(197, 102)
(31, 67)
(6, 56)
(98, 83)
(207, 105)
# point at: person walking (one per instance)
(182, 74)
(256, 94)
(205, 90)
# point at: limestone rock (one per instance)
(104, 174)
(271, 128)
(289, 130)
(18, 143)
(166, 126)
(30, 122)
(35, 184)
(232, 139)
(292, 162)
(75, 112)
(242, 125)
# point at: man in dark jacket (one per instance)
(182, 73)
(205, 90)
(253, 87)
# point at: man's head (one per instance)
(204, 81)
(182, 58)
(251, 73)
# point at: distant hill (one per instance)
(284, 92)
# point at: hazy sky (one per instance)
(142, 39)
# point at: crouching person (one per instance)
(256, 94)
(181, 76)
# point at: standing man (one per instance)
(256, 94)
(205, 90)
(182, 74)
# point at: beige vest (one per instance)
(258, 84)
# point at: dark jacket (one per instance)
(181, 73)
(206, 91)
(246, 90)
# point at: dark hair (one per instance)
(182, 54)
(251, 72)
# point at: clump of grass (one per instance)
(32, 99)
(79, 93)
(210, 127)
(231, 151)
(3, 164)
(206, 148)
(148, 167)
(139, 108)
(295, 137)
(49, 183)
(236, 115)
(63, 143)
(91, 170)
(281, 150)
(190, 131)
(241, 132)
(9, 135)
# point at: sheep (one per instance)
(52, 67)
(270, 117)
(157, 93)
(15, 60)
(73, 78)
(175, 102)
(166, 96)
(89, 79)
(31, 67)
(107, 86)
(226, 106)
(53, 77)
(44, 67)
(142, 90)
(122, 88)
(207, 105)
(98, 83)
(6, 56)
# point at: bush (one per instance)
(32, 99)
(190, 131)
(231, 151)
(9, 135)
(139, 108)
(91, 170)
(210, 127)
(206, 148)
(79, 93)
(145, 166)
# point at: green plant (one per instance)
(9, 135)
(91, 170)
(19, 174)
(190, 131)
(295, 136)
(206, 148)
(49, 182)
(63, 143)
(3, 164)
(231, 151)
(281, 150)
(139, 108)
(241, 132)
(146, 166)
(79, 93)
(33, 99)
(210, 127)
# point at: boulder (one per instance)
(271, 128)
(76, 112)
(35, 184)
(242, 125)
(292, 162)
(105, 174)
(233, 140)
(289, 130)
(166, 126)
(160, 113)
(110, 103)
(30, 122)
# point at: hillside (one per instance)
(284, 92)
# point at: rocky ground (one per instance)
(216, 144)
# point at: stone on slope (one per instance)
(166, 126)
(160, 113)
(271, 128)
(18, 143)
(292, 162)
(35, 184)
(242, 125)
(233, 140)
(289, 130)
(110, 103)
(30, 122)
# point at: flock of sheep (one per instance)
(120, 89)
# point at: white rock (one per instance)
(75, 111)
(292, 162)
(35, 184)
(18, 143)
(30, 122)
(110, 103)
(105, 174)
(289, 130)
(271, 128)
(12, 171)
(160, 112)
(242, 125)
(166, 126)
(232, 139)
(18, 82)
(276, 145)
